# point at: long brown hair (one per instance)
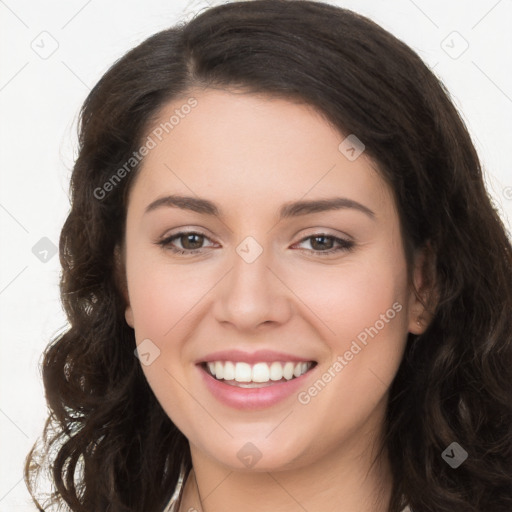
(108, 444)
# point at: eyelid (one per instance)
(318, 231)
(185, 230)
(168, 237)
(188, 229)
(343, 244)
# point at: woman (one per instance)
(286, 284)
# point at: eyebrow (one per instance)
(288, 210)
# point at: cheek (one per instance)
(362, 318)
(365, 352)
(161, 295)
(162, 299)
(354, 296)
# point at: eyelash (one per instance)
(344, 245)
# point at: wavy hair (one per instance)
(107, 443)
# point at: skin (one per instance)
(251, 154)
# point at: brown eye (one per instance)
(323, 244)
(184, 242)
(191, 241)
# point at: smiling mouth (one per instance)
(245, 375)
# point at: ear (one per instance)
(120, 272)
(423, 296)
(128, 315)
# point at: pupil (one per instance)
(189, 238)
(322, 244)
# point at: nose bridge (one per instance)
(251, 275)
(251, 265)
(251, 294)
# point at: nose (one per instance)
(253, 294)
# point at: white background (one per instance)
(39, 102)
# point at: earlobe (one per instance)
(128, 315)
(417, 326)
(423, 293)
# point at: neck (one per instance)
(347, 479)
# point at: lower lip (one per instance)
(252, 398)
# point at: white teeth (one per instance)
(229, 371)
(219, 370)
(242, 372)
(276, 371)
(288, 371)
(259, 372)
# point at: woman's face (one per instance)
(270, 284)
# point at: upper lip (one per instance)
(260, 356)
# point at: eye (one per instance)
(191, 242)
(323, 244)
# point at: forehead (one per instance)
(249, 149)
